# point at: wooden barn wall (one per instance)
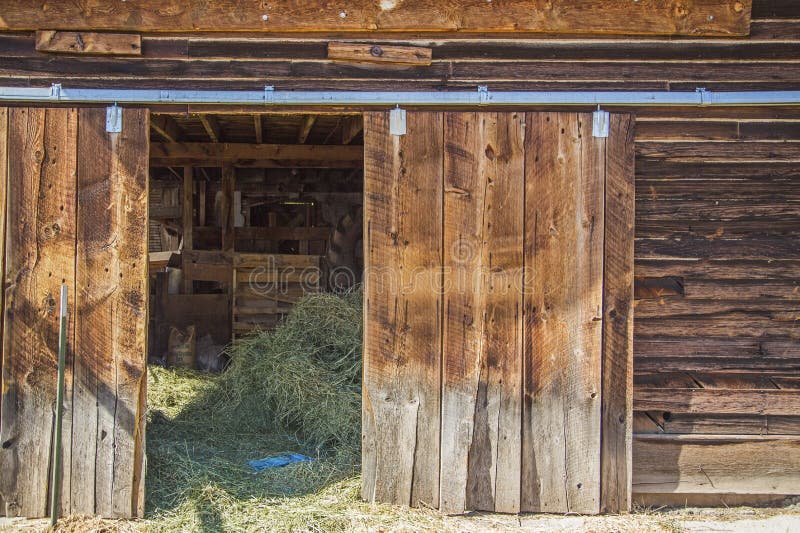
(717, 337)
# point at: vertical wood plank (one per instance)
(502, 266)
(618, 317)
(40, 256)
(402, 349)
(564, 261)
(187, 217)
(481, 375)
(462, 345)
(3, 217)
(112, 321)
(228, 187)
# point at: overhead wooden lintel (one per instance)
(89, 43)
(256, 155)
(379, 53)
(659, 17)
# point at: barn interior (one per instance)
(243, 210)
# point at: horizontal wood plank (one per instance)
(377, 53)
(73, 42)
(715, 464)
(721, 401)
(692, 17)
(261, 155)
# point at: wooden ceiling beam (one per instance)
(657, 17)
(351, 127)
(256, 155)
(166, 126)
(305, 128)
(211, 124)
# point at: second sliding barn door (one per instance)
(498, 317)
(73, 211)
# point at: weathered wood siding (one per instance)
(77, 203)
(485, 346)
(717, 197)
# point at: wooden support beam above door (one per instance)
(255, 155)
(662, 17)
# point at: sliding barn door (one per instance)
(498, 316)
(74, 201)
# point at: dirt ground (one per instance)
(689, 520)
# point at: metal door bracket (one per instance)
(397, 121)
(705, 95)
(483, 94)
(600, 120)
(114, 119)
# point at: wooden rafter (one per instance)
(351, 127)
(258, 128)
(305, 128)
(690, 17)
(336, 128)
(211, 124)
(166, 126)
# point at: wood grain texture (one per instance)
(716, 464)
(563, 314)
(40, 256)
(111, 340)
(693, 17)
(403, 310)
(617, 365)
(374, 53)
(72, 42)
(724, 401)
(3, 223)
(481, 388)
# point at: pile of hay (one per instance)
(304, 376)
(295, 389)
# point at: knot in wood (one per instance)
(376, 51)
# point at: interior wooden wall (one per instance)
(718, 208)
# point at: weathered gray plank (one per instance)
(564, 268)
(402, 350)
(617, 365)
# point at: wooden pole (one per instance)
(55, 491)
(187, 218)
